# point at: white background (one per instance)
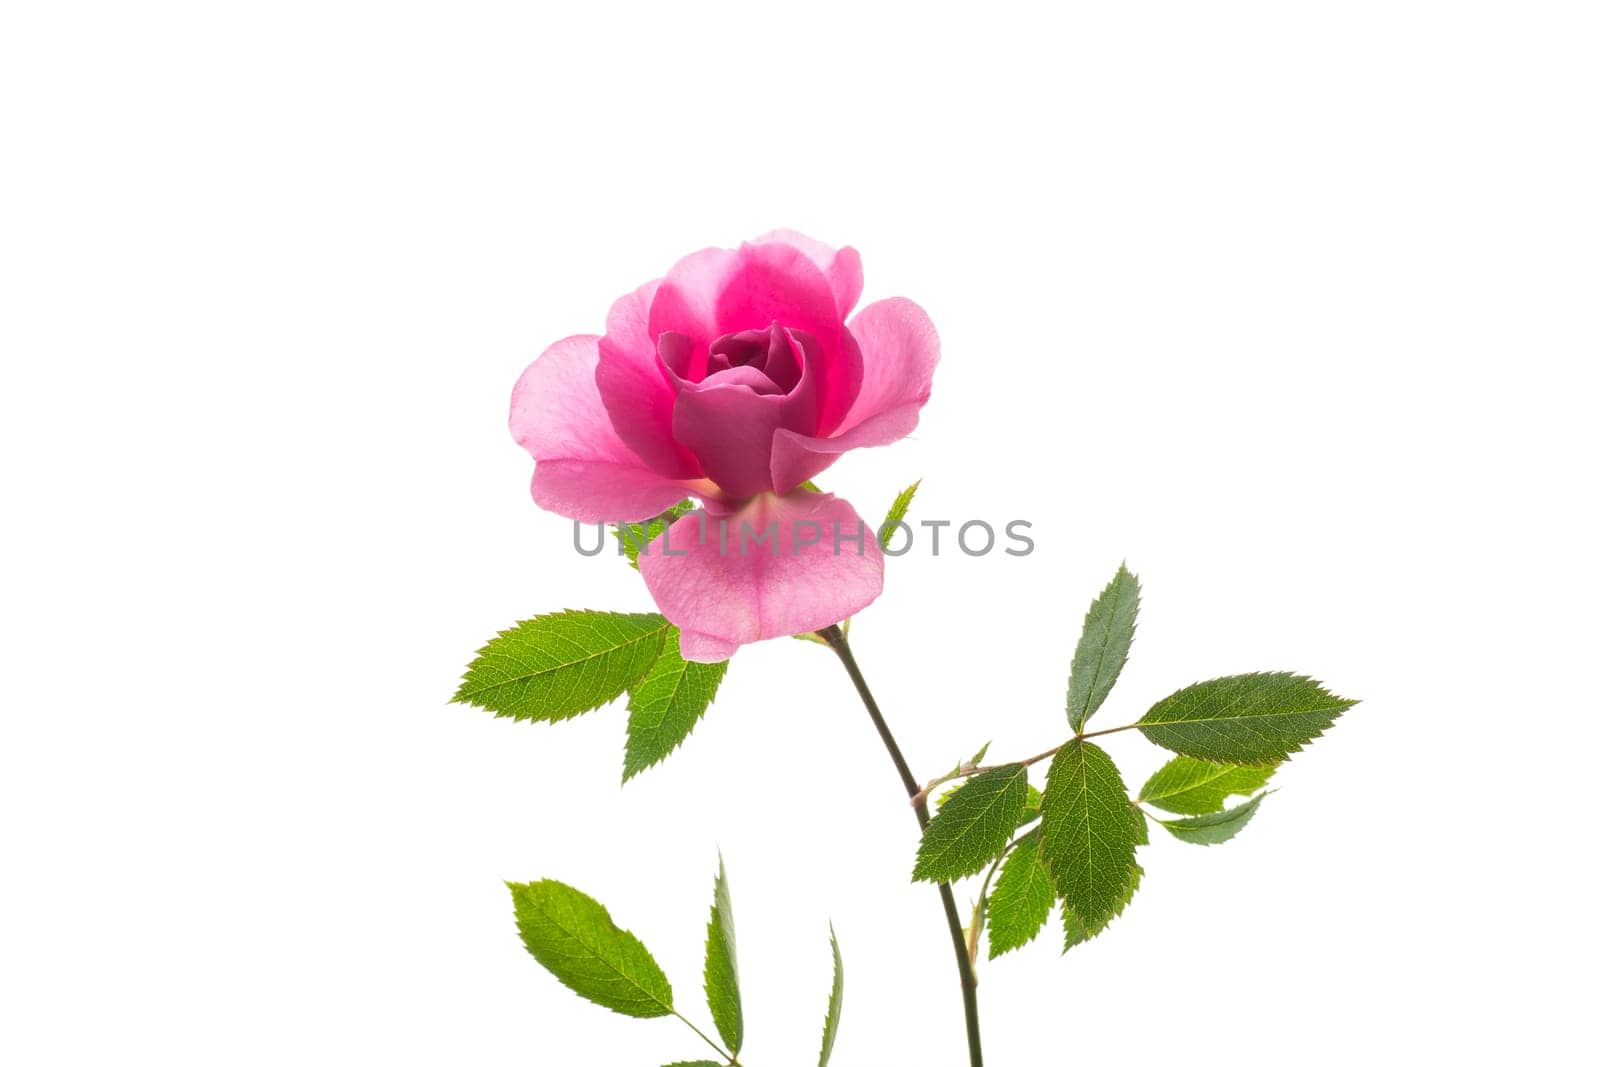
(1293, 306)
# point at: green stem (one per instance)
(980, 909)
(731, 1057)
(919, 804)
(972, 769)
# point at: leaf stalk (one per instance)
(971, 770)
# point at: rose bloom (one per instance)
(734, 379)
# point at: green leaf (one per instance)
(573, 937)
(1031, 806)
(722, 966)
(897, 511)
(1213, 828)
(1089, 834)
(1023, 895)
(557, 666)
(1077, 932)
(1103, 647)
(973, 826)
(1254, 719)
(1186, 786)
(830, 1023)
(665, 705)
(635, 536)
(696, 1063)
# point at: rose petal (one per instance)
(686, 303)
(776, 283)
(729, 419)
(899, 350)
(602, 492)
(584, 469)
(703, 648)
(841, 268)
(730, 428)
(757, 589)
(717, 291)
(637, 397)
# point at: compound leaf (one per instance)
(973, 826)
(722, 966)
(556, 666)
(665, 705)
(1089, 835)
(1023, 894)
(573, 937)
(1103, 647)
(1213, 828)
(1187, 786)
(830, 1022)
(1077, 932)
(1256, 719)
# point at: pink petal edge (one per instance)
(842, 268)
(721, 601)
(637, 396)
(583, 469)
(899, 351)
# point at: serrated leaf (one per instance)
(665, 705)
(1103, 647)
(636, 536)
(1030, 807)
(973, 826)
(1088, 835)
(897, 513)
(1074, 927)
(1023, 894)
(556, 666)
(830, 1022)
(1213, 828)
(573, 937)
(1255, 719)
(722, 966)
(1187, 786)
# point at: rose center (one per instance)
(770, 361)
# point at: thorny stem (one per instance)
(835, 640)
(969, 769)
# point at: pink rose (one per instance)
(733, 379)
